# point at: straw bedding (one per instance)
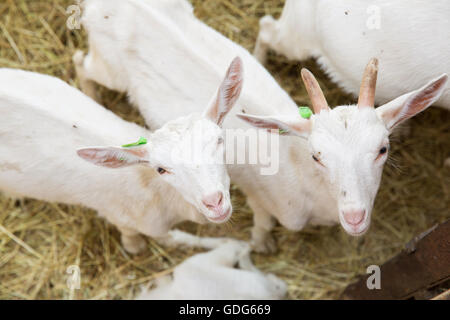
(39, 241)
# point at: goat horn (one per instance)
(368, 84)
(315, 94)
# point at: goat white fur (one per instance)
(151, 59)
(214, 276)
(410, 38)
(44, 121)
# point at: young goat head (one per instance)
(188, 152)
(350, 144)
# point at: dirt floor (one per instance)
(39, 240)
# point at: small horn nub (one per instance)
(315, 93)
(368, 85)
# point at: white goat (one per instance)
(352, 139)
(213, 275)
(152, 58)
(44, 121)
(410, 37)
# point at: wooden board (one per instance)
(423, 264)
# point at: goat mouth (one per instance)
(222, 217)
(354, 233)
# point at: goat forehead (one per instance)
(192, 128)
(178, 126)
(187, 143)
(348, 128)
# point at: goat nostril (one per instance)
(213, 201)
(354, 217)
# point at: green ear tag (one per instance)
(141, 141)
(281, 131)
(305, 112)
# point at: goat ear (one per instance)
(410, 104)
(227, 94)
(285, 124)
(114, 157)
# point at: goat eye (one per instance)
(161, 171)
(383, 150)
(317, 160)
